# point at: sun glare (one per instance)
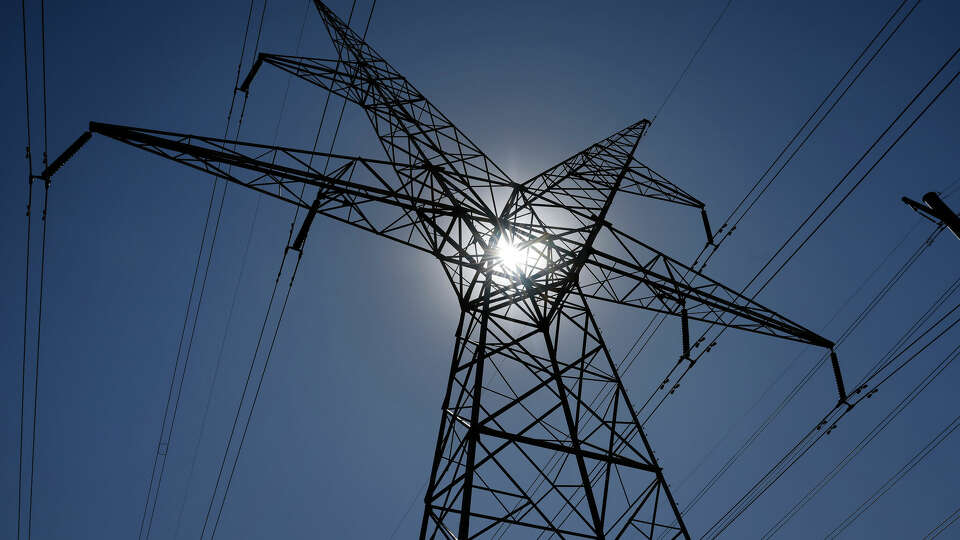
(515, 259)
(511, 257)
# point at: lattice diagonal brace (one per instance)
(537, 434)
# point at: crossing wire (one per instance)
(864, 442)
(262, 375)
(833, 210)
(837, 205)
(884, 290)
(809, 440)
(722, 236)
(892, 354)
(266, 362)
(792, 363)
(166, 432)
(918, 458)
(842, 179)
(692, 58)
(807, 122)
(754, 436)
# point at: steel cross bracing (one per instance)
(537, 432)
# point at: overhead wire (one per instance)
(917, 458)
(837, 205)
(36, 372)
(256, 394)
(877, 298)
(261, 374)
(173, 399)
(43, 256)
(864, 442)
(809, 440)
(861, 316)
(723, 228)
(633, 349)
(723, 233)
(243, 264)
(26, 286)
(692, 58)
(813, 370)
(942, 527)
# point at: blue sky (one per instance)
(345, 428)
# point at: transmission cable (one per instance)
(837, 205)
(857, 321)
(173, 399)
(261, 377)
(708, 348)
(43, 251)
(877, 298)
(720, 233)
(943, 525)
(26, 284)
(690, 62)
(832, 417)
(807, 122)
(813, 436)
(867, 439)
(871, 305)
(897, 476)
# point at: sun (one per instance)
(512, 258)
(515, 259)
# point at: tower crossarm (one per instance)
(410, 128)
(582, 184)
(353, 190)
(635, 274)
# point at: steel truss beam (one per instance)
(537, 432)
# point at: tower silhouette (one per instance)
(537, 432)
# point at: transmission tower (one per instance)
(537, 432)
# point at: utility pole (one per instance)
(934, 208)
(537, 431)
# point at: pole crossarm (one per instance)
(639, 275)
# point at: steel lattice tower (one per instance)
(537, 431)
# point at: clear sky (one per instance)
(344, 431)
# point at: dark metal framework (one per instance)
(537, 432)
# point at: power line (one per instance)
(722, 236)
(266, 361)
(36, 373)
(256, 394)
(875, 163)
(869, 438)
(816, 125)
(692, 58)
(897, 476)
(160, 458)
(754, 436)
(836, 206)
(413, 502)
(943, 525)
(26, 285)
(856, 322)
(43, 255)
(813, 436)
